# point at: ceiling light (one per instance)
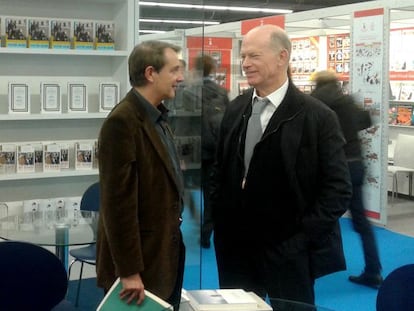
(177, 21)
(151, 31)
(215, 7)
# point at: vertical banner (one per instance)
(368, 77)
(219, 49)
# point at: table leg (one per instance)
(62, 241)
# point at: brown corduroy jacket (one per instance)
(139, 222)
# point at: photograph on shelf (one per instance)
(77, 97)
(25, 159)
(60, 33)
(84, 155)
(83, 35)
(50, 97)
(108, 95)
(64, 156)
(19, 97)
(51, 160)
(7, 158)
(38, 33)
(104, 35)
(15, 32)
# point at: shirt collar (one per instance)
(154, 113)
(275, 97)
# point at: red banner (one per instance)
(278, 20)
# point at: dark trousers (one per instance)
(208, 225)
(279, 271)
(175, 297)
(360, 221)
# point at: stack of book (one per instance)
(226, 299)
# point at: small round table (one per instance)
(60, 232)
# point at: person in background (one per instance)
(276, 216)
(139, 237)
(214, 100)
(352, 120)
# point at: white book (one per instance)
(25, 159)
(221, 299)
(112, 302)
(51, 157)
(84, 155)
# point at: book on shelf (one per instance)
(112, 301)
(51, 157)
(7, 158)
(50, 97)
(60, 33)
(38, 33)
(221, 299)
(407, 90)
(64, 156)
(38, 156)
(105, 35)
(404, 114)
(84, 155)
(15, 32)
(25, 158)
(83, 35)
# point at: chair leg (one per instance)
(79, 285)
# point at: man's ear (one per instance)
(149, 73)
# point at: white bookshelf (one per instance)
(33, 66)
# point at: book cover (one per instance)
(221, 299)
(16, 32)
(60, 31)
(38, 156)
(83, 35)
(105, 35)
(51, 154)
(38, 33)
(64, 156)
(84, 155)
(112, 302)
(7, 158)
(404, 113)
(25, 159)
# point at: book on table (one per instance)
(221, 299)
(112, 301)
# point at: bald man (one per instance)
(276, 202)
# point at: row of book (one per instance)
(19, 97)
(401, 115)
(47, 157)
(45, 33)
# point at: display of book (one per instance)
(112, 301)
(104, 35)
(221, 299)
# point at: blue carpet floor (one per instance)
(333, 291)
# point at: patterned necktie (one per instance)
(254, 130)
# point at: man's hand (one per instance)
(132, 288)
